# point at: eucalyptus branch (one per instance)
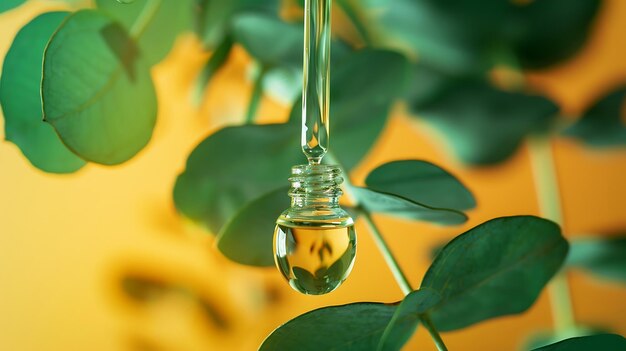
(257, 93)
(145, 17)
(434, 334)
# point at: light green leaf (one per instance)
(406, 318)
(217, 60)
(233, 167)
(97, 91)
(484, 125)
(247, 238)
(423, 182)
(213, 19)
(7, 5)
(165, 22)
(604, 257)
(20, 95)
(586, 343)
(355, 327)
(398, 206)
(602, 124)
(495, 269)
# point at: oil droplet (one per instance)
(315, 260)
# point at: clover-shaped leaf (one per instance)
(495, 269)
(20, 95)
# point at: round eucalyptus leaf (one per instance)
(356, 326)
(602, 125)
(97, 91)
(169, 19)
(406, 318)
(586, 343)
(485, 125)
(20, 95)
(603, 257)
(247, 238)
(233, 167)
(7, 5)
(423, 182)
(213, 17)
(495, 269)
(398, 206)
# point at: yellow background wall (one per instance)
(66, 242)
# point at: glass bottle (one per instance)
(314, 239)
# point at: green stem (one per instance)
(434, 334)
(355, 18)
(550, 206)
(257, 93)
(401, 279)
(145, 17)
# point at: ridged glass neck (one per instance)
(315, 185)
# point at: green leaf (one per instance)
(604, 257)
(423, 182)
(602, 125)
(495, 269)
(356, 326)
(7, 5)
(97, 91)
(20, 96)
(268, 39)
(213, 19)
(570, 24)
(450, 35)
(586, 343)
(247, 238)
(398, 206)
(484, 125)
(233, 167)
(406, 318)
(169, 19)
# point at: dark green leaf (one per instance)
(168, 20)
(604, 257)
(485, 125)
(20, 95)
(214, 17)
(495, 269)
(97, 92)
(406, 318)
(356, 326)
(7, 5)
(215, 62)
(451, 35)
(602, 125)
(569, 24)
(247, 238)
(233, 167)
(268, 39)
(423, 182)
(546, 337)
(607, 342)
(398, 206)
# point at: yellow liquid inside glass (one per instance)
(315, 260)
